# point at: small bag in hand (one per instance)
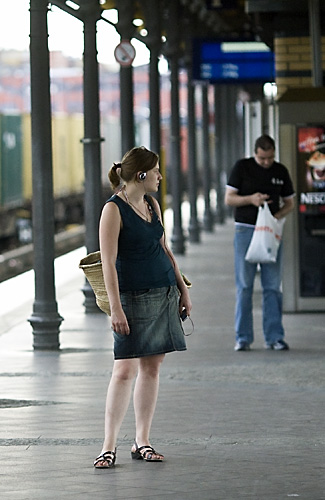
(266, 238)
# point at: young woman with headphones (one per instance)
(147, 295)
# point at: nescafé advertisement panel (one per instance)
(311, 169)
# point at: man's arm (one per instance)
(288, 205)
(233, 199)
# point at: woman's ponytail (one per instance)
(114, 176)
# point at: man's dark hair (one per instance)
(264, 142)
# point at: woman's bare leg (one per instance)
(118, 399)
(145, 396)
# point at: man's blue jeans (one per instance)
(271, 285)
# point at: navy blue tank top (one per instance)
(141, 260)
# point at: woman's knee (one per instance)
(125, 369)
(150, 365)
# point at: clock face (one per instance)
(124, 53)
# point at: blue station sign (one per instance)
(232, 62)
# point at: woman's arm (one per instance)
(185, 300)
(109, 230)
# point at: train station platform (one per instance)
(232, 425)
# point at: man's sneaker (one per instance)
(280, 345)
(242, 346)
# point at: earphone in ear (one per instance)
(142, 176)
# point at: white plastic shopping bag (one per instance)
(266, 238)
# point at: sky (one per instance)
(65, 33)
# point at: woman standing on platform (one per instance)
(146, 293)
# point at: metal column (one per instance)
(126, 30)
(45, 319)
(153, 42)
(178, 240)
(316, 43)
(194, 228)
(207, 217)
(219, 173)
(91, 143)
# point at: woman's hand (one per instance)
(185, 302)
(119, 323)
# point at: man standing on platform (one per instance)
(253, 181)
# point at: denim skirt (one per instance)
(155, 325)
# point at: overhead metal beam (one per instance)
(63, 6)
(252, 6)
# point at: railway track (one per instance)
(20, 260)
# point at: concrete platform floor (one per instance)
(232, 425)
